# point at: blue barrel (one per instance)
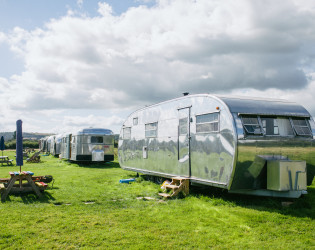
(127, 180)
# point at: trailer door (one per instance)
(184, 141)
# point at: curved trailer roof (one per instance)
(251, 105)
(263, 106)
(94, 131)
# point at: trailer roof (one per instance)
(263, 106)
(250, 105)
(94, 131)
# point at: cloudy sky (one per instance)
(67, 64)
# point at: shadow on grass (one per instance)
(300, 207)
(29, 198)
(103, 165)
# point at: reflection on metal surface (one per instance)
(227, 157)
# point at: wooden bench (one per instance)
(6, 160)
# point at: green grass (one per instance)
(208, 217)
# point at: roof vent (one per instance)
(185, 93)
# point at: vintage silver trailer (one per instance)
(66, 146)
(92, 144)
(51, 144)
(245, 145)
(43, 144)
(58, 144)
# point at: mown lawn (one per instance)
(88, 208)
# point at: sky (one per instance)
(70, 64)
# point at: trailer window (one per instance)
(135, 121)
(301, 126)
(252, 125)
(151, 129)
(277, 126)
(207, 123)
(96, 139)
(126, 133)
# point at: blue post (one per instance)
(19, 144)
(2, 143)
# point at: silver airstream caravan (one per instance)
(43, 144)
(66, 146)
(92, 144)
(58, 144)
(245, 145)
(51, 144)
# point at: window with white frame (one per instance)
(207, 123)
(135, 121)
(151, 129)
(126, 133)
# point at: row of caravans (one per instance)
(245, 145)
(89, 145)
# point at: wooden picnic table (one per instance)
(6, 160)
(12, 187)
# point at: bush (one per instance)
(26, 144)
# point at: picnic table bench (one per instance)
(11, 187)
(6, 160)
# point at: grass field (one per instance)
(87, 207)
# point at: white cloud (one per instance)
(2, 37)
(149, 54)
(304, 96)
(80, 3)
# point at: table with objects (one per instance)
(6, 160)
(21, 182)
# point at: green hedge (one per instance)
(26, 144)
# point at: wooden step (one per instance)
(171, 186)
(165, 195)
(179, 178)
(178, 185)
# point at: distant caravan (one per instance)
(88, 145)
(245, 145)
(43, 144)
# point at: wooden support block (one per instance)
(165, 195)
